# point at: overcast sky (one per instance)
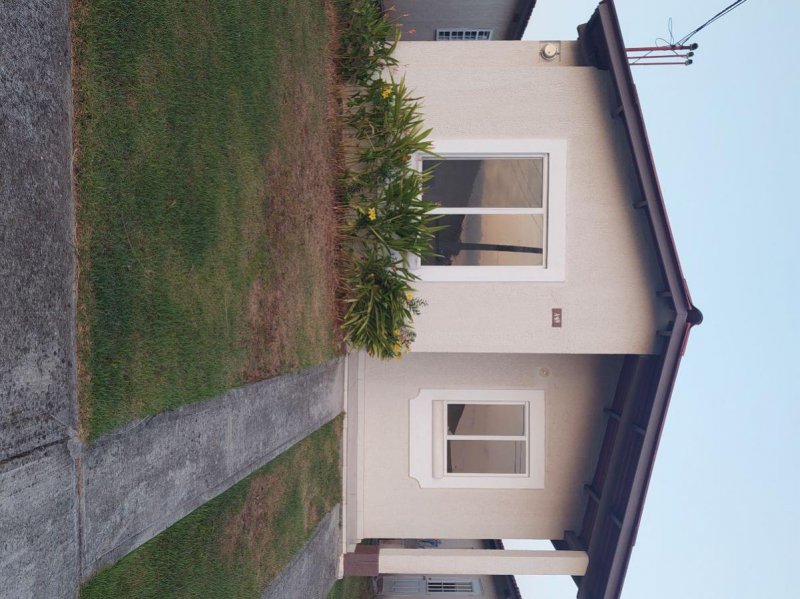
(722, 518)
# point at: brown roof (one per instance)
(615, 496)
(521, 17)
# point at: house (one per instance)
(460, 20)
(533, 401)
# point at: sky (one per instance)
(722, 517)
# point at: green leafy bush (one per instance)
(380, 304)
(386, 221)
(367, 40)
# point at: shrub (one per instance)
(367, 41)
(386, 221)
(380, 304)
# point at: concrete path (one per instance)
(39, 554)
(312, 572)
(136, 482)
(66, 510)
(139, 480)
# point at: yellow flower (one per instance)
(386, 92)
(371, 214)
(397, 332)
(409, 297)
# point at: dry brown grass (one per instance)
(301, 230)
(290, 496)
(253, 526)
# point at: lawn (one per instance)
(204, 176)
(235, 544)
(351, 588)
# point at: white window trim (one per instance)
(555, 152)
(451, 30)
(427, 438)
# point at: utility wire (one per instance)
(691, 34)
(717, 16)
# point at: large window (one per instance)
(477, 438)
(502, 210)
(493, 210)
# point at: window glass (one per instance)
(492, 211)
(485, 419)
(488, 240)
(481, 456)
(486, 183)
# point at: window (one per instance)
(477, 438)
(463, 35)
(485, 438)
(430, 585)
(502, 208)
(462, 586)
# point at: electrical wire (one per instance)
(716, 17)
(691, 34)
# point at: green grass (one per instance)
(235, 544)
(183, 109)
(351, 588)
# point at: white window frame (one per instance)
(428, 438)
(440, 34)
(554, 153)
(441, 448)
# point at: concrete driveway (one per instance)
(39, 554)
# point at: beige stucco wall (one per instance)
(505, 91)
(425, 16)
(576, 388)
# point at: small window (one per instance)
(486, 439)
(410, 586)
(468, 438)
(461, 586)
(463, 35)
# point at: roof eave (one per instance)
(631, 113)
(524, 10)
(604, 29)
